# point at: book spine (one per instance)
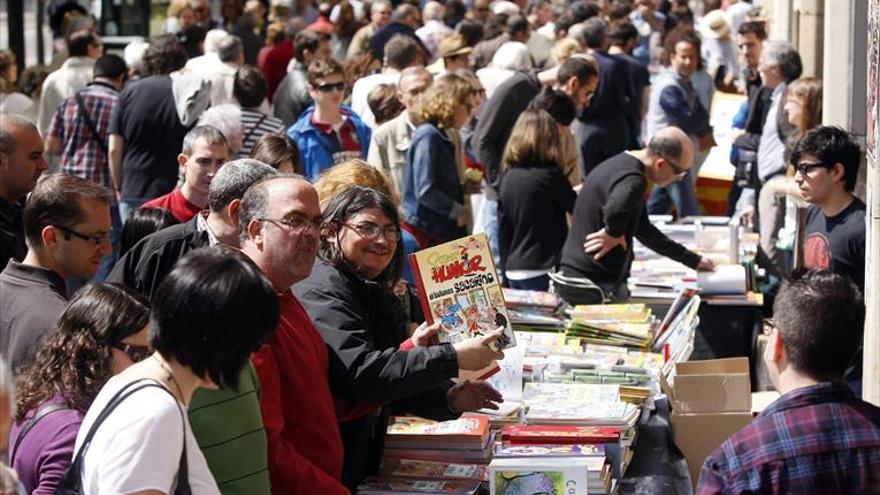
(420, 287)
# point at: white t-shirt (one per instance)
(361, 90)
(138, 446)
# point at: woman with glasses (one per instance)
(101, 332)
(349, 298)
(433, 195)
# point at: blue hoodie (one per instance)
(314, 146)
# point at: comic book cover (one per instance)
(459, 286)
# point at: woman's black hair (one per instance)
(212, 312)
(348, 203)
(142, 222)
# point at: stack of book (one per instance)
(430, 457)
(578, 404)
(466, 440)
(534, 311)
(628, 325)
(553, 459)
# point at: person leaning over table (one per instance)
(349, 298)
(610, 211)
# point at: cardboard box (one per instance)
(713, 386)
(698, 435)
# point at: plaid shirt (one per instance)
(81, 153)
(813, 440)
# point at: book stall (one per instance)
(579, 383)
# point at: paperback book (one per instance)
(458, 285)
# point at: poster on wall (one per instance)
(873, 107)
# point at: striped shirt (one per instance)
(253, 126)
(82, 154)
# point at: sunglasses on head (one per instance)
(328, 87)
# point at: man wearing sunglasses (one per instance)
(610, 211)
(328, 132)
(67, 231)
(826, 162)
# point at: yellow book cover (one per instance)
(459, 286)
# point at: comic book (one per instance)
(459, 286)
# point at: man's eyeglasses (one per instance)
(328, 87)
(372, 231)
(137, 353)
(679, 172)
(804, 168)
(297, 224)
(97, 240)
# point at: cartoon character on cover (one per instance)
(472, 243)
(448, 313)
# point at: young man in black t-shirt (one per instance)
(826, 162)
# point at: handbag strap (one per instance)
(40, 414)
(81, 110)
(129, 389)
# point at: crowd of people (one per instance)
(203, 241)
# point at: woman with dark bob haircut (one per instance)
(210, 313)
(349, 297)
(102, 331)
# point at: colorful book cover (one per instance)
(531, 476)
(468, 428)
(505, 449)
(458, 285)
(612, 312)
(399, 486)
(558, 434)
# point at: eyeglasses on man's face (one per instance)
(372, 231)
(680, 173)
(804, 168)
(97, 240)
(297, 224)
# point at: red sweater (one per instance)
(305, 448)
(179, 206)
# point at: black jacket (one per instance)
(147, 263)
(496, 122)
(12, 244)
(759, 106)
(363, 324)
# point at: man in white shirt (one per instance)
(434, 29)
(74, 75)
(400, 52)
(391, 140)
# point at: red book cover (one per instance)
(559, 434)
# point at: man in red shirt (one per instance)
(205, 150)
(280, 221)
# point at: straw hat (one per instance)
(716, 25)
